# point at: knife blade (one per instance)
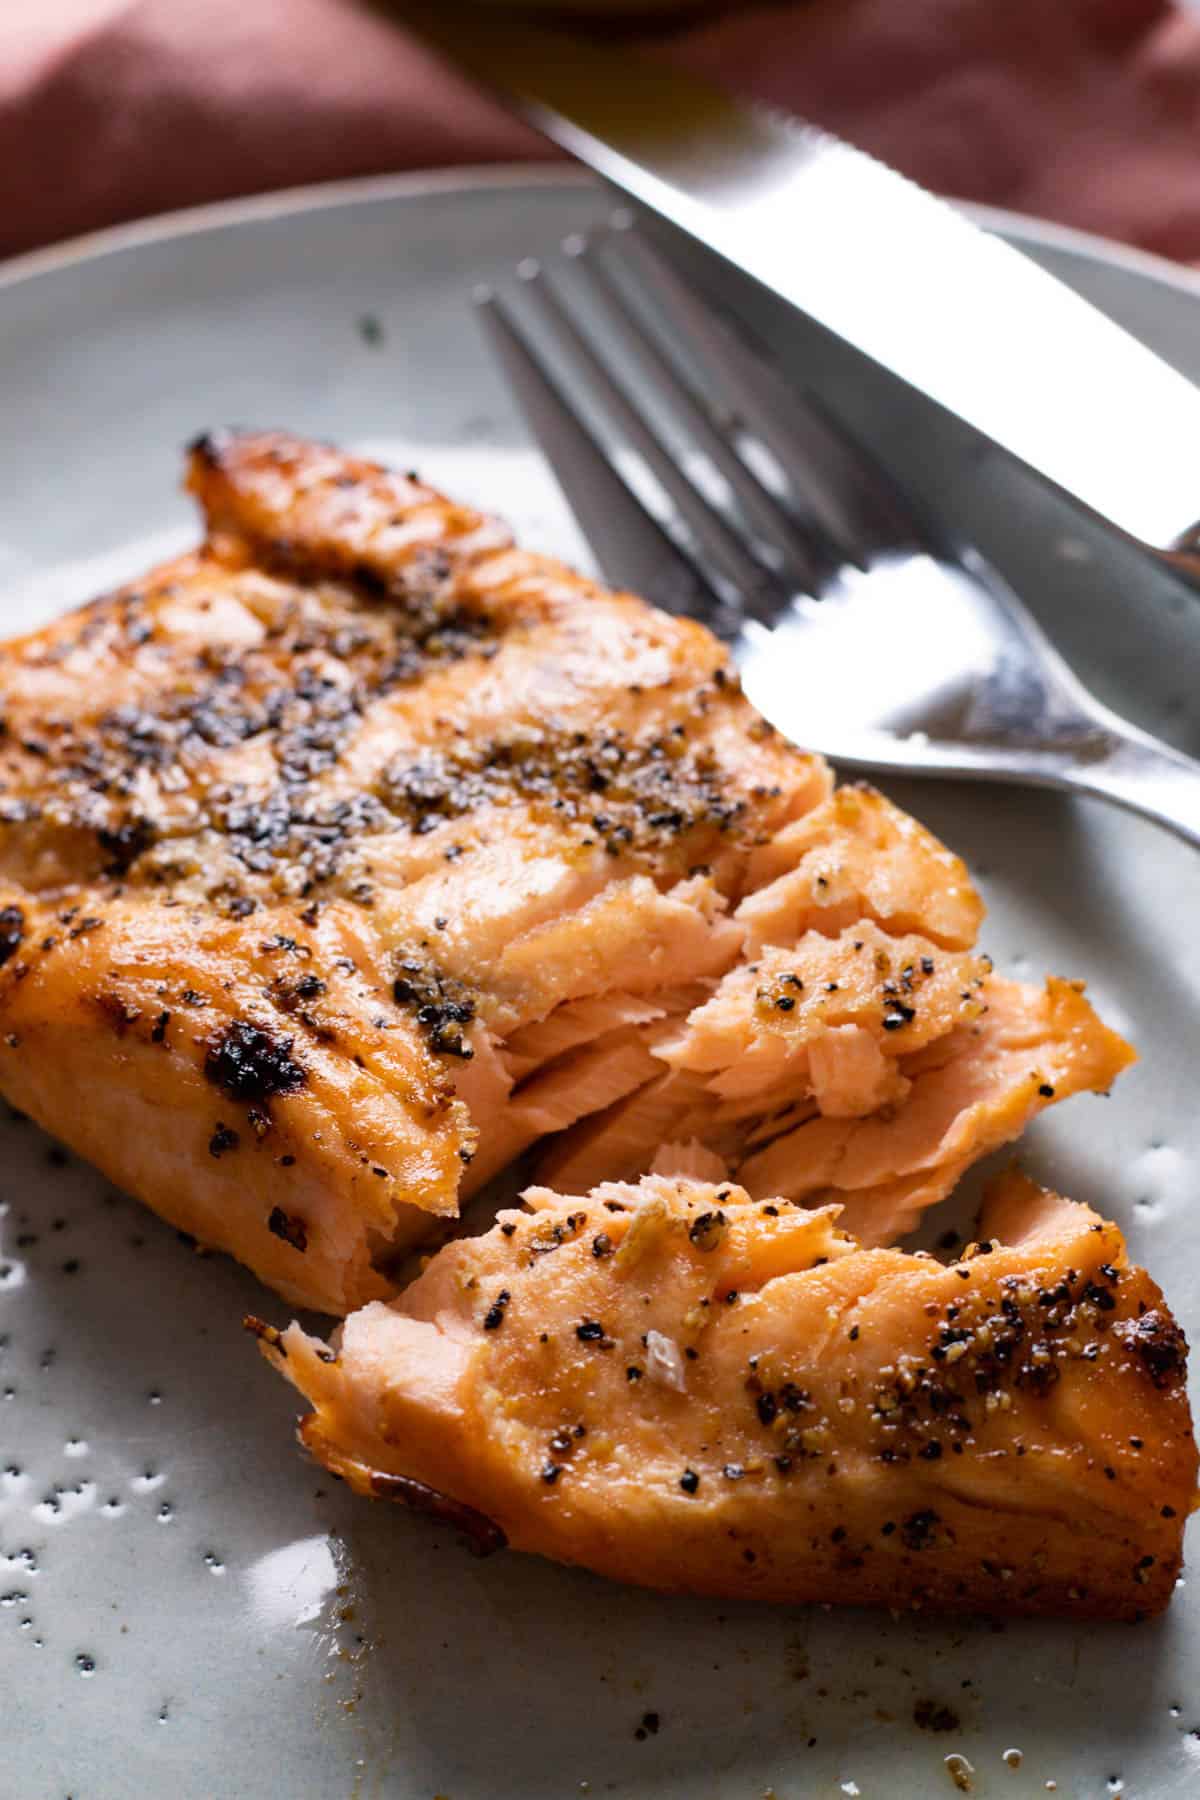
(899, 274)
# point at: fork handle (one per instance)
(1146, 776)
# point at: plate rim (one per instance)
(320, 196)
(1149, 1751)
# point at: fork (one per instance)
(859, 628)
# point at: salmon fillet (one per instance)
(675, 1385)
(350, 855)
(296, 829)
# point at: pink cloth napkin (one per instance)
(1084, 111)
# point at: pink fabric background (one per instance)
(1085, 111)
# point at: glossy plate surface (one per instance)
(186, 1606)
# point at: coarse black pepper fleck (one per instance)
(287, 1226)
(223, 1138)
(493, 1318)
(250, 1064)
(919, 1529)
(707, 1229)
(12, 930)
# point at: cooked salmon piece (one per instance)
(692, 1160)
(625, 1140)
(573, 1024)
(840, 1109)
(831, 1018)
(362, 789)
(202, 1060)
(858, 857)
(349, 856)
(1032, 1048)
(675, 1385)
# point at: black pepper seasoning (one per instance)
(222, 1139)
(493, 1318)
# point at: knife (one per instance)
(897, 273)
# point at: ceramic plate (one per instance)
(187, 1607)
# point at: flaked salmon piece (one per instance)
(674, 1385)
(585, 1080)
(692, 1160)
(622, 1141)
(581, 1060)
(957, 1094)
(774, 1124)
(831, 1017)
(468, 785)
(632, 937)
(1031, 1049)
(858, 857)
(574, 1023)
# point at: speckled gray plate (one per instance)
(188, 1608)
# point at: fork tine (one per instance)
(859, 510)
(716, 540)
(805, 560)
(893, 518)
(631, 546)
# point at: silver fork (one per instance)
(858, 629)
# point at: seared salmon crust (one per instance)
(349, 856)
(357, 852)
(675, 1385)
